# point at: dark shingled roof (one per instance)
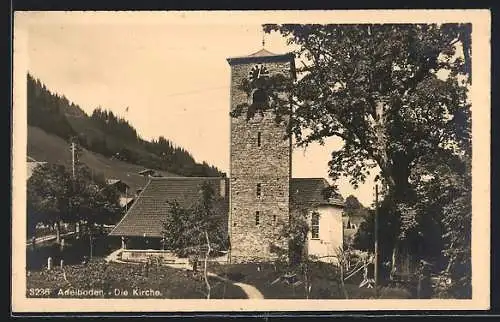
(310, 192)
(150, 208)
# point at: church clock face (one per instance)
(257, 72)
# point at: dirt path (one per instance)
(251, 292)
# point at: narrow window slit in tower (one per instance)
(259, 190)
(258, 138)
(257, 218)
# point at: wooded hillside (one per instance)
(105, 133)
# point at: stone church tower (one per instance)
(260, 161)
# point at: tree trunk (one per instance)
(401, 192)
(58, 232)
(394, 257)
(33, 242)
(342, 281)
(451, 258)
(205, 273)
(91, 245)
(341, 262)
(77, 229)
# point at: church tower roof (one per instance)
(261, 56)
(262, 53)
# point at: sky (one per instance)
(172, 74)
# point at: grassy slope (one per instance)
(50, 148)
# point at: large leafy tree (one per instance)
(393, 93)
(352, 207)
(295, 231)
(92, 201)
(377, 87)
(186, 227)
(55, 195)
(443, 207)
(351, 204)
(47, 199)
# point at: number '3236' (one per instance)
(39, 291)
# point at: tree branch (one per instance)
(205, 273)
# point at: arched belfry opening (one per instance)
(260, 100)
(260, 97)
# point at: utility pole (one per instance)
(126, 199)
(73, 158)
(376, 266)
(77, 226)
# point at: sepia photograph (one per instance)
(275, 160)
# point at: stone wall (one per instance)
(268, 165)
(142, 256)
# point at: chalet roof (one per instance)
(125, 201)
(146, 171)
(112, 181)
(147, 213)
(120, 185)
(310, 191)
